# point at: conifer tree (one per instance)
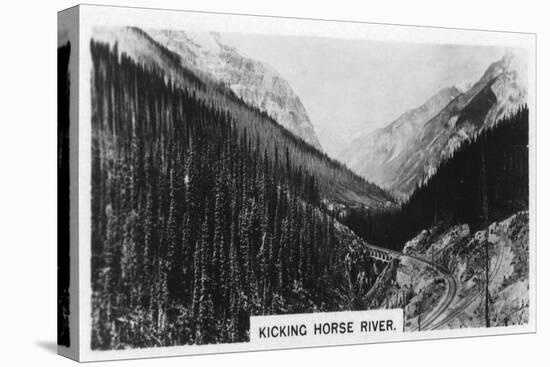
(205, 321)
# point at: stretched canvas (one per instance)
(237, 183)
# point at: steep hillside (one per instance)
(256, 83)
(196, 225)
(336, 182)
(485, 179)
(500, 91)
(462, 254)
(400, 162)
(370, 154)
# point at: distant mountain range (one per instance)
(397, 157)
(370, 153)
(408, 151)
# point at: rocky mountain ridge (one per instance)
(257, 83)
(370, 153)
(408, 151)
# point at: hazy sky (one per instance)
(357, 83)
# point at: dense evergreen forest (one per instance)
(335, 181)
(63, 195)
(197, 220)
(485, 180)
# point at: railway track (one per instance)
(451, 289)
(463, 306)
(446, 301)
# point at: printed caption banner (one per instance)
(311, 329)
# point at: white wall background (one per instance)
(28, 182)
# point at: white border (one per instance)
(92, 15)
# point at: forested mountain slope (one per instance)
(200, 220)
(500, 91)
(336, 182)
(484, 180)
(401, 167)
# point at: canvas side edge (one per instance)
(68, 31)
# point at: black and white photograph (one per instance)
(233, 169)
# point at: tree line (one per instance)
(485, 180)
(197, 221)
(336, 182)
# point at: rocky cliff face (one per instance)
(255, 82)
(461, 252)
(458, 255)
(408, 151)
